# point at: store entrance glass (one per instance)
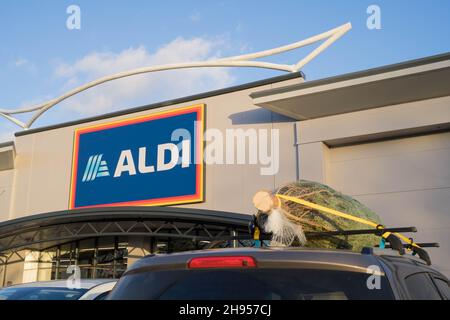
(108, 257)
(96, 258)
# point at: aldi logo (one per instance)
(96, 167)
(148, 160)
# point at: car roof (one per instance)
(268, 257)
(84, 283)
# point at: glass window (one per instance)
(443, 286)
(39, 293)
(256, 284)
(105, 242)
(420, 287)
(102, 296)
(86, 245)
(97, 258)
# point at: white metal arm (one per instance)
(237, 61)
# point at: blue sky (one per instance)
(40, 58)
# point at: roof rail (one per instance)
(422, 255)
(394, 242)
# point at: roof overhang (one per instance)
(400, 83)
(7, 155)
(41, 231)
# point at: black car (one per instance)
(285, 273)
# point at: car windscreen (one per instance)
(40, 293)
(250, 284)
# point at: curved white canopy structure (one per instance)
(245, 60)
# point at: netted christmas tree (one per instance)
(312, 220)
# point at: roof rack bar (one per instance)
(266, 236)
(358, 232)
(422, 245)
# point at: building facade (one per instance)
(381, 136)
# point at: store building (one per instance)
(68, 192)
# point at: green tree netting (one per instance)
(315, 221)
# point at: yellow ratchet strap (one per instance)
(344, 215)
(256, 234)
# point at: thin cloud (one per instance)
(195, 16)
(7, 131)
(142, 88)
(25, 65)
(20, 62)
(239, 27)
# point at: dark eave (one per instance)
(48, 229)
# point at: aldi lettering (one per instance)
(136, 162)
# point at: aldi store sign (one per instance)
(148, 160)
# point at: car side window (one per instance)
(420, 287)
(102, 296)
(443, 287)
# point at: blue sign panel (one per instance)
(148, 160)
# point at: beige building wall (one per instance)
(390, 158)
(43, 159)
(14, 272)
(6, 191)
(406, 180)
(26, 266)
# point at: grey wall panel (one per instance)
(406, 181)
